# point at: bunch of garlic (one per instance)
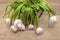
(18, 25)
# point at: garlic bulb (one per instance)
(17, 21)
(21, 27)
(52, 21)
(31, 27)
(39, 30)
(7, 21)
(19, 24)
(13, 28)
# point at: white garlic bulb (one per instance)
(13, 28)
(30, 27)
(17, 21)
(52, 21)
(21, 27)
(19, 24)
(7, 21)
(39, 30)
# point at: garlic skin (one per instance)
(21, 27)
(13, 28)
(30, 27)
(39, 30)
(7, 21)
(19, 24)
(17, 21)
(52, 21)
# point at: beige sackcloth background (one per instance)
(48, 34)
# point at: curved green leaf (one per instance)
(7, 11)
(15, 13)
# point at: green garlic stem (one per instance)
(37, 22)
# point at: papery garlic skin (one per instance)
(13, 28)
(30, 27)
(21, 27)
(19, 24)
(7, 21)
(39, 30)
(52, 21)
(17, 21)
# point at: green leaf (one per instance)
(32, 15)
(41, 13)
(51, 10)
(37, 22)
(7, 11)
(28, 3)
(35, 1)
(15, 5)
(15, 13)
(25, 15)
